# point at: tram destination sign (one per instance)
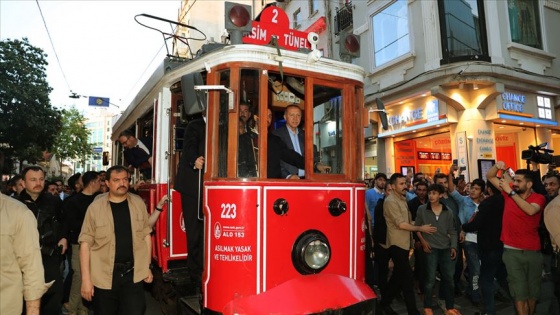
(275, 23)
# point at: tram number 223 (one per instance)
(229, 211)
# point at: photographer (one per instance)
(52, 236)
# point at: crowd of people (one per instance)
(57, 255)
(499, 236)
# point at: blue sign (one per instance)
(97, 149)
(98, 101)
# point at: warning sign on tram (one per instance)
(275, 23)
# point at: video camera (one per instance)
(540, 154)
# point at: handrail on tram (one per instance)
(218, 87)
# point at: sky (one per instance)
(101, 49)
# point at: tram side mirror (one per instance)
(194, 102)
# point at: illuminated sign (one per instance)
(513, 102)
(406, 116)
(275, 23)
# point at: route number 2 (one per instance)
(229, 211)
(275, 17)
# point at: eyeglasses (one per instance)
(125, 141)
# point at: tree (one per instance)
(72, 141)
(28, 122)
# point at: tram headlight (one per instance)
(311, 252)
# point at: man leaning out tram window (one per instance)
(137, 152)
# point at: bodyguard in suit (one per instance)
(188, 182)
(294, 138)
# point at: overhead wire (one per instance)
(156, 55)
(52, 45)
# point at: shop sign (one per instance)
(423, 155)
(432, 110)
(513, 102)
(484, 140)
(407, 116)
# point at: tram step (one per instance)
(179, 276)
(190, 305)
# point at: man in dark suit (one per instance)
(294, 138)
(137, 152)
(278, 151)
(188, 182)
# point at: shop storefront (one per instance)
(474, 126)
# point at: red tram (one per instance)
(272, 245)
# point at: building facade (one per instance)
(99, 123)
(467, 80)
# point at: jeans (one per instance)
(441, 257)
(473, 263)
(402, 278)
(490, 260)
(457, 274)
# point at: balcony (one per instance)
(343, 18)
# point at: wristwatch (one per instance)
(512, 193)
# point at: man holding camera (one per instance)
(522, 216)
(52, 236)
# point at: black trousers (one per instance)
(51, 302)
(195, 237)
(124, 298)
(381, 267)
(401, 279)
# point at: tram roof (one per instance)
(267, 55)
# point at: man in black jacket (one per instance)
(488, 224)
(52, 233)
(188, 183)
(75, 209)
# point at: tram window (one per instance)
(223, 124)
(327, 128)
(248, 147)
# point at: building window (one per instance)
(390, 32)
(524, 22)
(544, 108)
(313, 6)
(297, 19)
(463, 31)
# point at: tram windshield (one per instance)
(290, 109)
(327, 127)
